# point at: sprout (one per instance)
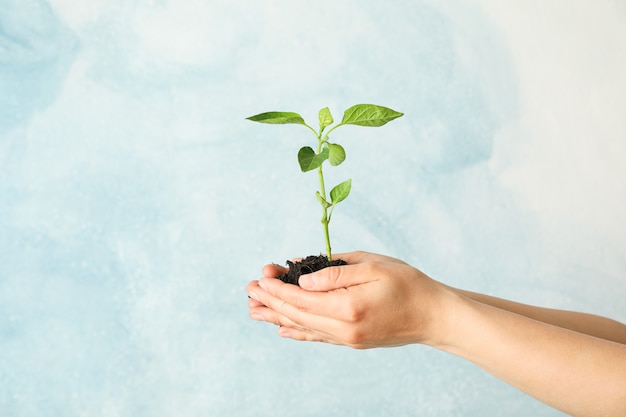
(309, 159)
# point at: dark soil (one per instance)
(306, 266)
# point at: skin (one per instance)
(571, 361)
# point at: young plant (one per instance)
(309, 159)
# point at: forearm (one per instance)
(579, 374)
(590, 324)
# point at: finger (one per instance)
(310, 336)
(304, 335)
(258, 308)
(311, 309)
(275, 294)
(319, 311)
(273, 270)
(253, 303)
(282, 317)
(310, 328)
(252, 290)
(335, 277)
(262, 313)
(358, 257)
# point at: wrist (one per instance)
(446, 324)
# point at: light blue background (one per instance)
(136, 202)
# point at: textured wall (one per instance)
(136, 202)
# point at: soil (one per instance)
(306, 266)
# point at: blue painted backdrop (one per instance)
(136, 202)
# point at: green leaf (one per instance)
(322, 200)
(336, 154)
(326, 119)
(340, 192)
(369, 115)
(309, 160)
(277, 118)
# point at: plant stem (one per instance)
(325, 218)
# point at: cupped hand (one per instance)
(374, 301)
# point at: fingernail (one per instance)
(253, 296)
(307, 281)
(283, 332)
(262, 285)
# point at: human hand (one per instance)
(374, 301)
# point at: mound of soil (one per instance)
(306, 266)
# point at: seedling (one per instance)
(309, 159)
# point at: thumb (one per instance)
(334, 277)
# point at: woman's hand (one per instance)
(377, 301)
(374, 301)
